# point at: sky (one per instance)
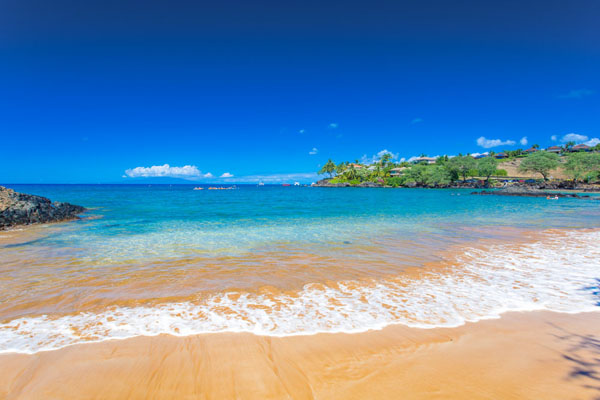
(248, 91)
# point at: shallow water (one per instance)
(288, 260)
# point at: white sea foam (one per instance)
(559, 273)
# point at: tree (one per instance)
(341, 167)
(350, 173)
(568, 145)
(582, 165)
(487, 167)
(536, 146)
(461, 165)
(419, 174)
(385, 158)
(438, 175)
(540, 162)
(328, 168)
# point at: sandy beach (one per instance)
(535, 355)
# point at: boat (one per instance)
(198, 188)
(296, 183)
(286, 184)
(261, 184)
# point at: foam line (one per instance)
(559, 273)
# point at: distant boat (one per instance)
(286, 184)
(261, 184)
(296, 183)
(198, 188)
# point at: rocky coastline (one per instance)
(25, 209)
(474, 184)
(528, 192)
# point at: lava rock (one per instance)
(24, 209)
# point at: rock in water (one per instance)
(24, 209)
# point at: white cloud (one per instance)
(554, 138)
(577, 94)
(573, 137)
(301, 131)
(313, 151)
(523, 141)
(375, 158)
(187, 171)
(416, 121)
(333, 125)
(226, 175)
(208, 175)
(592, 142)
(480, 154)
(489, 143)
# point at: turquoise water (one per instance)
(272, 260)
(165, 221)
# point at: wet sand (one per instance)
(533, 355)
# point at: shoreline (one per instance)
(525, 355)
(352, 307)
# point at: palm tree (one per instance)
(536, 146)
(350, 173)
(385, 159)
(328, 168)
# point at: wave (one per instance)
(559, 272)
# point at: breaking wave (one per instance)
(558, 273)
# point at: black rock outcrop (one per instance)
(24, 209)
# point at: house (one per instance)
(554, 149)
(397, 171)
(356, 166)
(428, 160)
(581, 147)
(500, 156)
(530, 150)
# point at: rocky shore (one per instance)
(476, 184)
(24, 209)
(527, 192)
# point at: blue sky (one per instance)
(96, 92)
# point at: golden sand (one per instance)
(536, 355)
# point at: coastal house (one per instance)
(530, 150)
(554, 149)
(500, 156)
(397, 171)
(581, 147)
(356, 166)
(428, 160)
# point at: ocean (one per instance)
(280, 261)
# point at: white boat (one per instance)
(296, 183)
(261, 184)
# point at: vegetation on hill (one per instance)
(579, 166)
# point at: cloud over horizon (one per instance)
(187, 171)
(577, 138)
(489, 143)
(226, 175)
(573, 137)
(277, 178)
(376, 157)
(313, 151)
